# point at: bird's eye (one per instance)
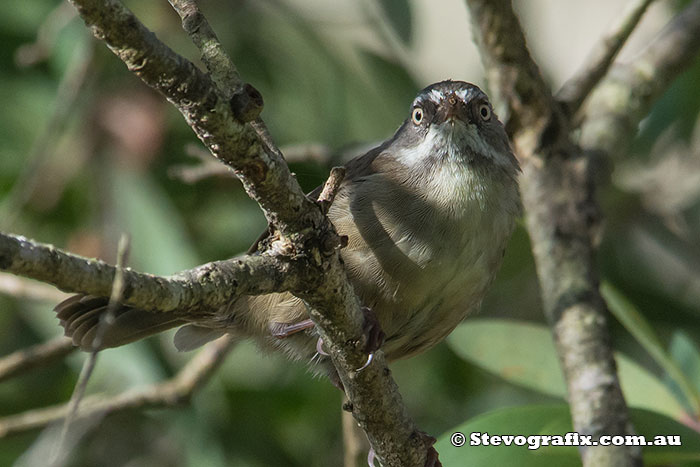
(485, 112)
(417, 115)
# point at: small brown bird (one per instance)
(427, 214)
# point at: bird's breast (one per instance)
(423, 258)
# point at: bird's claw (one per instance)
(319, 347)
(373, 331)
(374, 336)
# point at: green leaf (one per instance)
(651, 424)
(524, 354)
(519, 352)
(556, 420)
(642, 331)
(158, 241)
(685, 353)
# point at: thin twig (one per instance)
(28, 289)
(191, 174)
(330, 188)
(215, 58)
(89, 365)
(218, 63)
(575, 91)
(305, 152)
(209, 166)
(627, 94)
(117, 293)
(31, 357)
(264, 135)
(171, 393)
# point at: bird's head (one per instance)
(453, 121)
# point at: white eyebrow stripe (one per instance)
(462, 94)
(436, 96)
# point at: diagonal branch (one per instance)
(561, 213)
(246, 101)
(375, 400)
(625, 97)
(32, 357)
(172, 393)
(215, 58)
(264, 174)
(61, 448)
(313, 271)
(575, 91)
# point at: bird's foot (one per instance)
(374, 336)
(282, 330)
(373, 331)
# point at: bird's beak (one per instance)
(456, 110)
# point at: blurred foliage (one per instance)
(556, 420)
(81, 180)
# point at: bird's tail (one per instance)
(81, 315)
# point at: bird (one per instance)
(427, 215)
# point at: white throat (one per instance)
(457, 142)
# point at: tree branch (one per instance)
(207, 166)
(314, 272)
(215, 58)
(246, 101)
(625, 97)
(579, 86)
(172, 393)
(561, 212)
(264, 174)
(521, 96)
(61, 447)
(208, 286)
(38, 355)
(27, 289)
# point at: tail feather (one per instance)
(78, 304)
(80, 316)
(82, 327)
(190, 337)
(86, 317)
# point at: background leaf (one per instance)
(638, 326)
(524, 354)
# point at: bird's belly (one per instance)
(427, 290)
